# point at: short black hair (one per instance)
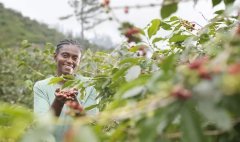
(67, 42)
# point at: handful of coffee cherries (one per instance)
(69, 97)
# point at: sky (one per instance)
(49, 11)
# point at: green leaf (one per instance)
(70, 77)
(158, 39)
(215, 115)
(227, 2)
(133, 92)
(28, 84)
(133, 49)
(133, 73)
(147, 128)
(25, 44)
(91, 107)
(68, 83)
(119, 73)
(142, 32)
(115, 104)
(14, 120)
(177, 27)
(166, 26)
(168, 9)
(137, 82)
(174, 18)
(216, 2)
(168, 63)
(155, 25)
(204, 38)
(167, 116)
(190, 124)
(219, 12)
(22, 63)
(131, 60)
(55, 80)
(178, 38)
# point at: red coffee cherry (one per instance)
(204, 73)
(106, 3)
(196, 64)
(181, 93)
(126, 10)
(234, 68)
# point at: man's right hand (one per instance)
(66, 95)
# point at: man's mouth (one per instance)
(69, 67)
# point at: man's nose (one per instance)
(69, 60)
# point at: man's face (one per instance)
(67, 59)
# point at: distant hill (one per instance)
(14, 28)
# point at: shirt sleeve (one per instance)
(41, 104)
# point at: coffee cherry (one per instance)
(132, 34)
(196, 64)
(204, 73)
(142, 50)
(181, 93)
(75, 106)
(132, 31)
(106, 3)
(238, 30)
(126, 10)
(234, 68)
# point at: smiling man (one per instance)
(51, 98)
(67, 57)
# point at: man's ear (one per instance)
(55, 56)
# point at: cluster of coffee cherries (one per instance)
(188, 25)
(69, 97)
(76, 109)
(132, 34)
(105, 3)
(202, 70)
(66, 94)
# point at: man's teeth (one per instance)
(69, 66)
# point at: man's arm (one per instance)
(41, 102)
(57, 107)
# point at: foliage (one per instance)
(22, 69)
(187, 91)
(182, 92)
(14, 120)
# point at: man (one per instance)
(50, 97)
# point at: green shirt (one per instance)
(44, 97)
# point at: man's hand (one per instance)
(76, 109)
(61, 97)
(66, 95)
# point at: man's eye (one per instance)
(65, 55)
(75, 58)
